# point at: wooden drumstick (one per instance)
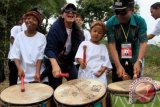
(22, 84)
(84, 53)
(63, 75)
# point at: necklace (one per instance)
(125, 35)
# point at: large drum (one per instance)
(119, 94)
(80, 92)
(35, 94)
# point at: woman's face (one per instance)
(31, 22)
(69, 16)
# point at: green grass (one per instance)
(152, 62)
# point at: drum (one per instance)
(80, 92)
(35, 94)
(119, 94)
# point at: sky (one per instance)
(145, 13)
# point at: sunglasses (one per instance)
(70, 10)
(121, 12)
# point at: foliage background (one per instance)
(12, 10)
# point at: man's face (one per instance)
(123, 15)
(155, 13)
(79, 21)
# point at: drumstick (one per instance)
(22, 84)
(84, 53)
(63, 75)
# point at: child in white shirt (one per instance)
(97, 61)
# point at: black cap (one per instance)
(123, 4)
(69, 6)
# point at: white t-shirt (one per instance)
(86, 35)
(156, 30)
(14, 31)
(29, 50)
(96, 57)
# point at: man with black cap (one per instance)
(63, 41)
(126, 31)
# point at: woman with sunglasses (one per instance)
(127, 32)
(63, 41)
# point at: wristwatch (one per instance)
(140, 60)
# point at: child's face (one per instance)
(96, 34)
(31, 22)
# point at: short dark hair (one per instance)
(155, 5)
(80, 16)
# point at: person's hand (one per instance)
(99, 73)
(37, 76)
(82, 64)
(56, 71)
(121, 73)
(21, 73)
(136, 68)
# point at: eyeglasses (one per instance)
(70, 10)
(121, 12)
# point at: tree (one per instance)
(12, 10)
(95, 9)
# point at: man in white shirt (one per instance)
(155, 12)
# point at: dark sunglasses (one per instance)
(70, 10)
(121, 12)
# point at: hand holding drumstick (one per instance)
(84, 53)
(81, 61)
(84, 63)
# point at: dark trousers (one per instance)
(128, 69)
(55, 82)
(13, 73)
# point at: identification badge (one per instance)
(126, 50)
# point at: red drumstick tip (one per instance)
(22, 84)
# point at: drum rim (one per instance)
(35, 103)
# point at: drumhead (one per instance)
(79, 92)
(120, 87)
(34, 93)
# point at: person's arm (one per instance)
(114, 55)
(55, 67)
(142, 52)
(150, 36)
(20, 69)
(38, 67)
(142, 36)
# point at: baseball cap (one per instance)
(69, 7)
(123, 4)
